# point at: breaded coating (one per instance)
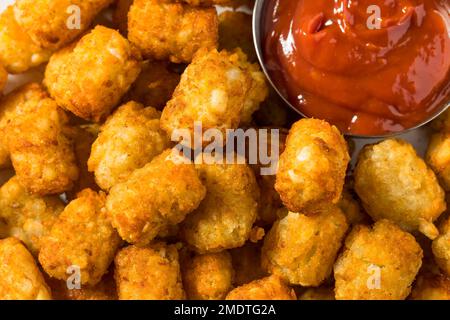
(149, 273)
(207, 276)
(104, 290)
(438, 158)
(269, 288)
(301, 249)
(83, 237)
(225, 217)
(83, 138)
(27, 217)
(53, 23)
(378, 263)
(247, 264)
(129, 139)
(235, 31)
(18, 52)
(320, 293)
(18, 102)
(442, 123)
(162, 192)
(90, 77)
(154, 86)
(41, 149)
(312, 168)
(394, 183)
(217, 89)
(120, 15)
(20, 277)
(441, 247)
(166, 30)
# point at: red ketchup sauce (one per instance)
(366, 79)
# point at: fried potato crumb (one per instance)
(90, 77)
(83, 237)
(394, 183)
(129, 139)
(269, 288)
(163, 192)
(312, 168)
(149, 273)
(378, 263)
(19, 274)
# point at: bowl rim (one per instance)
(257, 42)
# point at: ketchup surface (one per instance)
(365, 80)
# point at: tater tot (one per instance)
(394, 183)
(269, 288)
(320, 293)
(82, 237)
(225, 217)
(378, 263)
(53, 23)
(90, 77)
(312, 168)
(207, 276)
(235, 31)
(27, 217)
(217, 89)
(129, 139)
(18, 102)
(18, 52)
(163, 192)
(431, 286)
(438, 158)
(247, 264)
(41, 151)
(166, 30)
(20, 277)
(441, 247)
(302, 249)
(149, 273)
(154, 86)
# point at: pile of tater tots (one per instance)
(99, 205)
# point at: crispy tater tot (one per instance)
(90, 77)
(320, 293)
(235, 31)
(104, 290)
(269, 288)
(225, 217)
(129, 139)
(165, 30)
(41, 151)
(394, 183)
(441, 247)
(312, 167)
(438, 158)
(247, 263)
(207, 276)
(378, 263)
(27, 217)
(20, 277)
(18, 52)
(82, 237)
(83, 137)
(149, 273)
(442, 123)
(18, 102)
(302, 249)
(120, 16)
(217, 89)
(154, 86)
(163, 192)
(54, 23)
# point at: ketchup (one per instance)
(333, 62)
